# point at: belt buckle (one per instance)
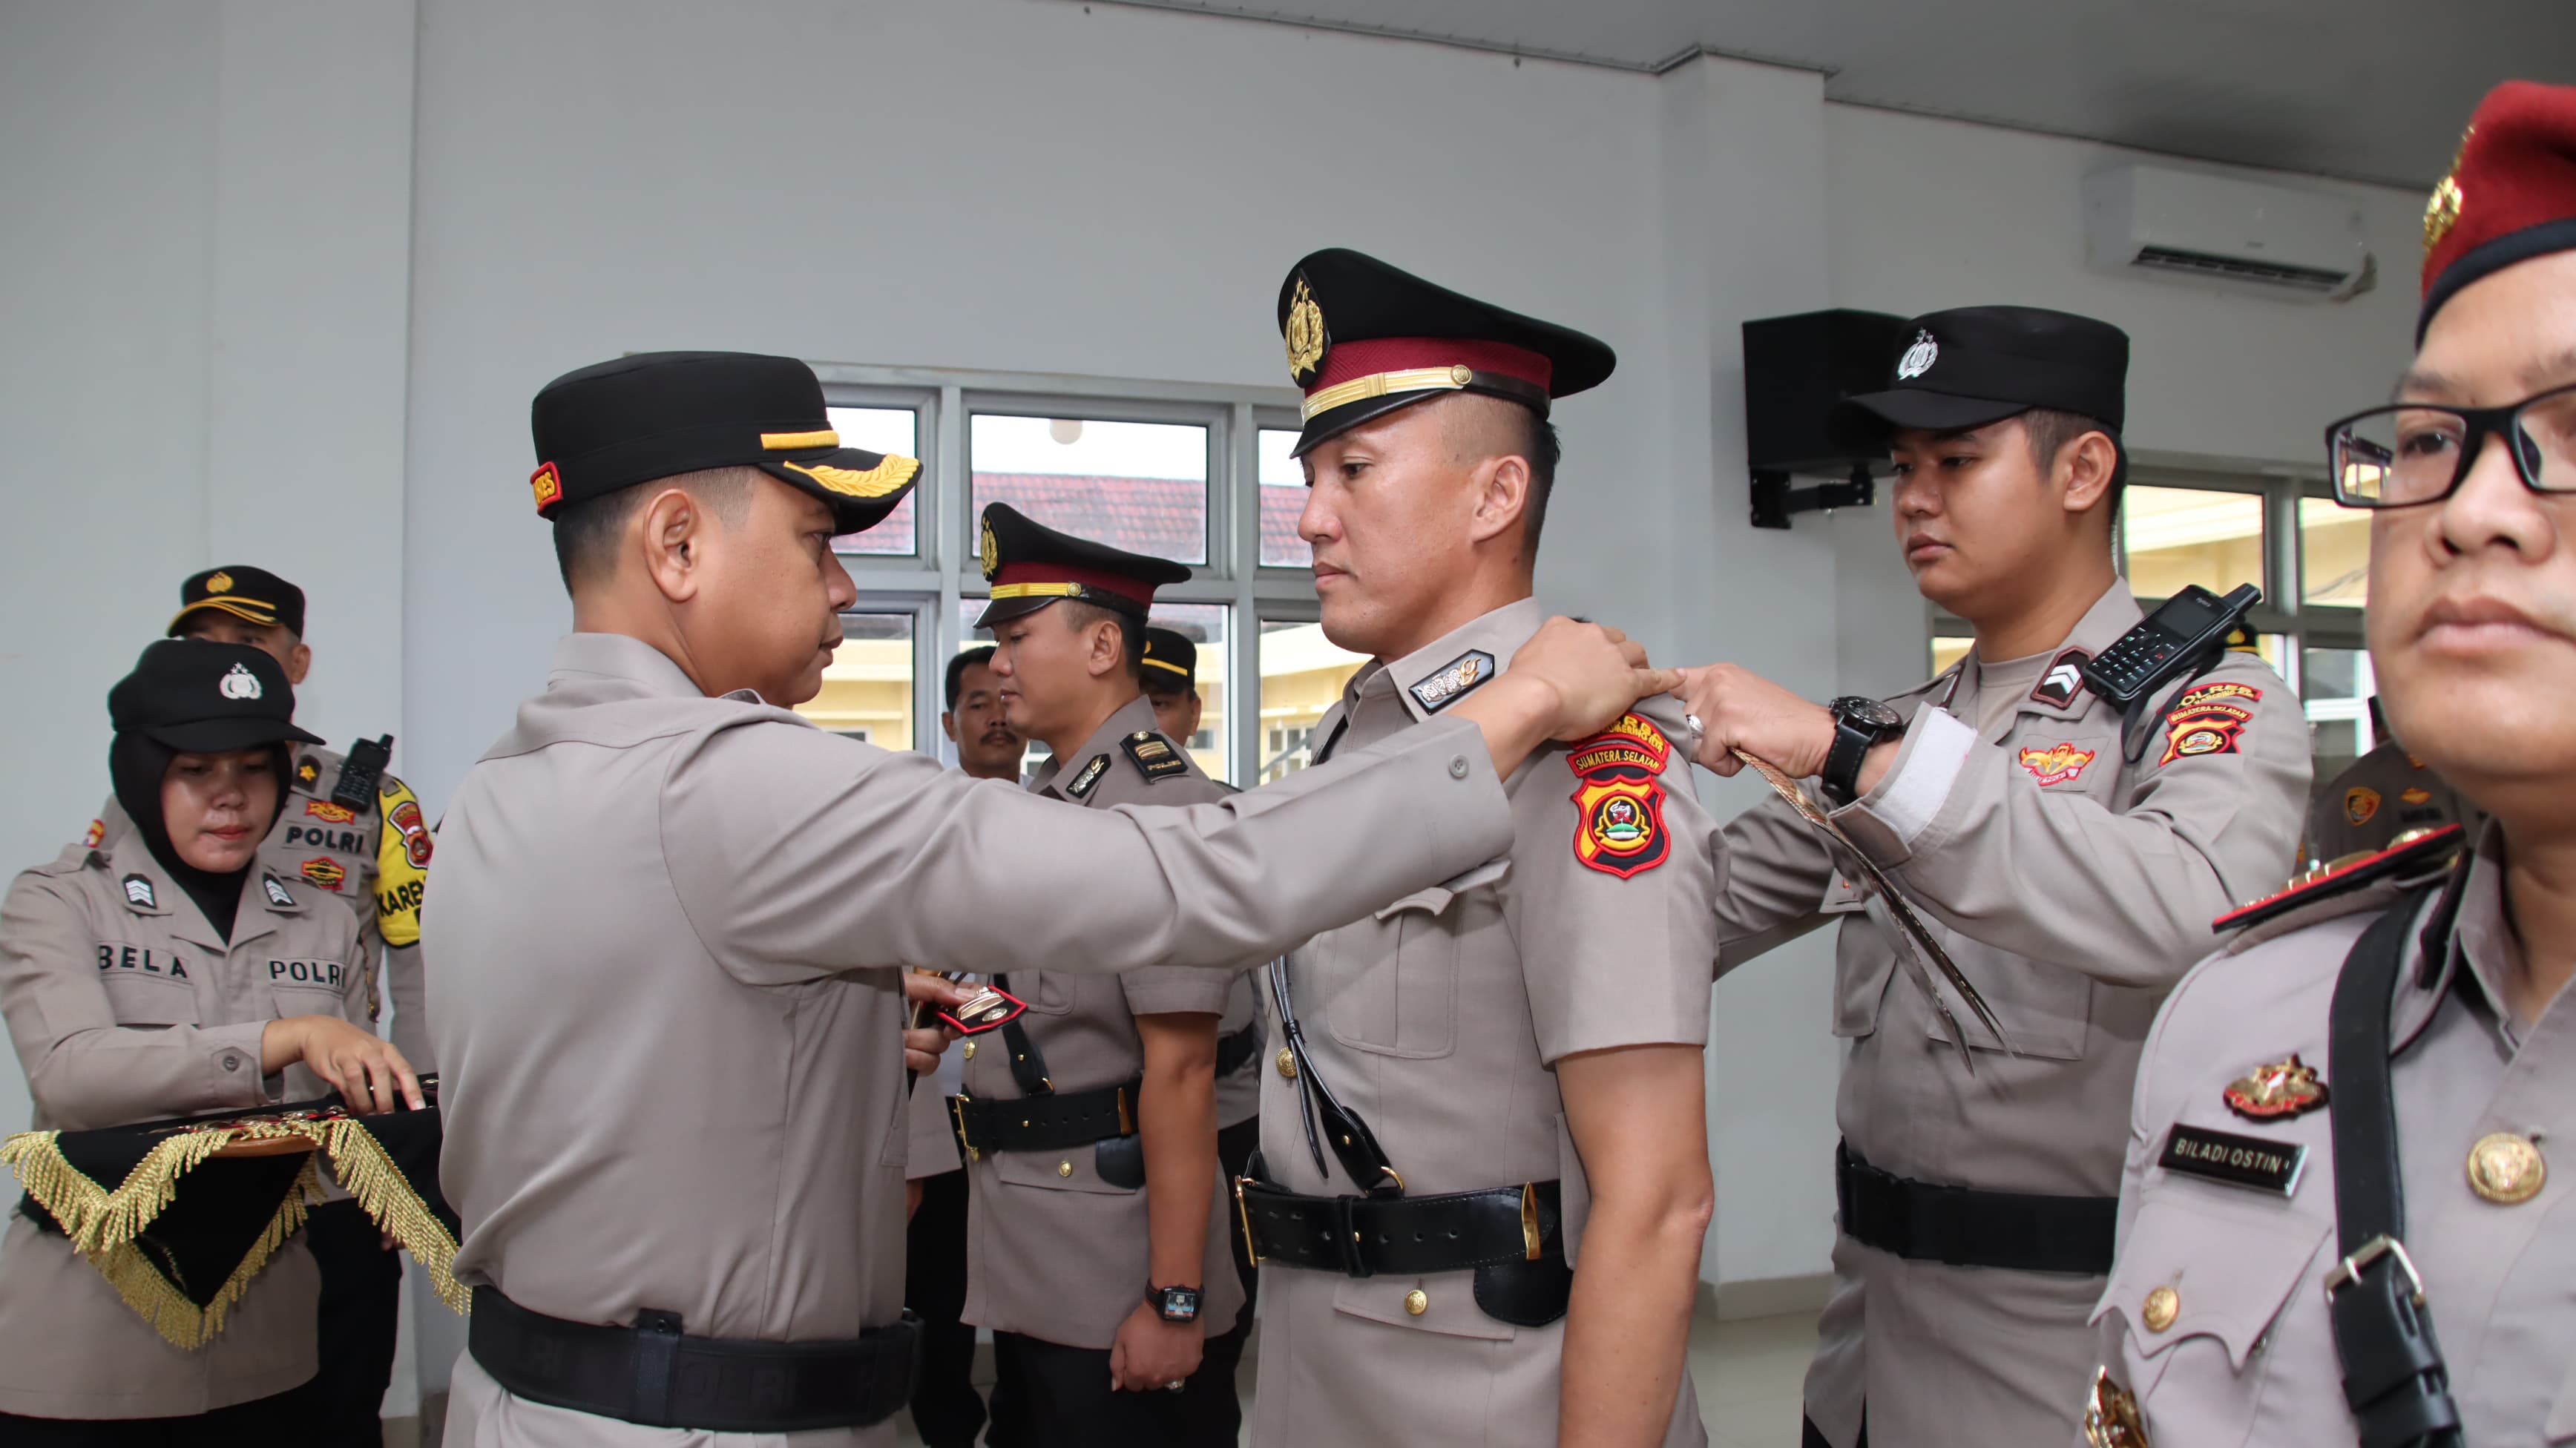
(957, 1105)
(2349, 1270)
(1243, 1214)
(1346, 1237)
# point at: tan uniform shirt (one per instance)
(2072, 889)
(2247, 1356)
(664, 947)
(125, 1007)
(376, 863)
(1439, 1020)
(1053, 1251)
(2380, 796)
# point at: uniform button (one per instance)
(231, 1061)
(2163, 1306)
(2507, 1169)
(969, 1052)
(1064, 1168)
(1417, 1302)
(1288, 1063)
(1457, 766)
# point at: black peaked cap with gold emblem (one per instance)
(1365, 339)
(254, 595)
(659, 414)
(1170, 655)
(1031, 565)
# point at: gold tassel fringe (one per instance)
(366, 1173)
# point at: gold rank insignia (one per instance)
(307, 773)
(1153, 756)
(1305, 335)
(2277, 1091)
(2111, 1416)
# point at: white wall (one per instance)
(264, 300)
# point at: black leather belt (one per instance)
(1967, 1227)
(1399, 1236)
(1044, 1123)
(1233, 1052)
(654, 1374)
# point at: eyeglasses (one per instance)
(2418, 452)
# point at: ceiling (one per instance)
(2367, 90)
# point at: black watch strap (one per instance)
(1841, 777)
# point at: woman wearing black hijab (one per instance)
(164, 975)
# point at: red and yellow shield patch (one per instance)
(326, 872)
(2207, 720)
(1619, 798)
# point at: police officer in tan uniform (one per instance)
(2068, 854)
(1098, 1227)
(1471, 1073)
(1242, 1040)
(349, 830)
(673, 923)
(167, 974)
(2340, 1219)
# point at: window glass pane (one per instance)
(1946, 652)
(1141, 486)
(2334, 553)
(1283, 497)
(2178, 536)
(2336, 687)
(882, 430)
(1302, 674)
(867, 689)
(1204, 624)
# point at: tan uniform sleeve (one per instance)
(83, 1069)
(2124, 894)
(797, 854)
(1772, 868)
(1616, 948)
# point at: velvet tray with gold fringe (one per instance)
(180, 1215)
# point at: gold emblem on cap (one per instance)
(2162, 1306)
(1304, 334)
(219, 582)
(2442, 208)
(2507, 1169)
(1287, 1063)
(988, 552)
(2111, 1418)
(889, 474)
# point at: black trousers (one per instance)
(946, 1410)
(1061, 1397)
(361, 1312)
(286, 1418)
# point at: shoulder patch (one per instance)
(2415, 852)
(1453, 680)
(138, 891)
(97, 833)
(2064, 680)
(1153, 755)
(277, 893)
(1619, 798)
(1079, 787)
(2207, 720)
(403, 848)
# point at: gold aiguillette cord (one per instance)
(1913, 942)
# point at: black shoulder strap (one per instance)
(1028, 1063)
(2394, 1379)
(1353, 1144)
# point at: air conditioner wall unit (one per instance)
(2192, 227)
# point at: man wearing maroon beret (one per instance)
(2338, 1221)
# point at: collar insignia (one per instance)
(138, 891)
(276, 892)
(2276, 1092)
(1080, 786)
(1454, 680)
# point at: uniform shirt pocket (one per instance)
(1391, 981)
(2217, 1276)
(1063, 1169)
(1448, 1305)
(148, 985)
(2044, 1008)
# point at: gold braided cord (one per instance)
(370, 1176)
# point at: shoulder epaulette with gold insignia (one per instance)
(1153, 755)
(2410, 852)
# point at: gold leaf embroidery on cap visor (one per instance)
(876, 482)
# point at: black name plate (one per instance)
(2239, 1161)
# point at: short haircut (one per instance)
(1079, 615)
(957, 667)
(586, 532)
(1496, 427)
(2050, 431)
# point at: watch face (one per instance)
(1867, 714)
(1179, 1304)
